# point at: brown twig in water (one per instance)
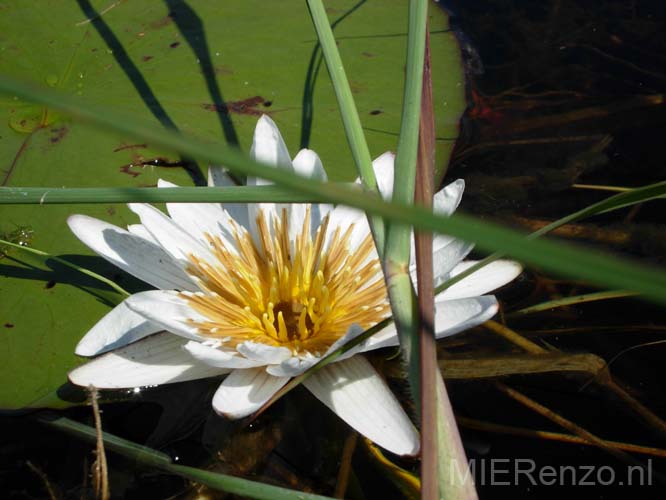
(514, 337)
(345, 465)
(100, 469)
(45, 480)
(564, 423)
(603, 378)
(479, 425)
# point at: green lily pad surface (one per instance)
(208, 69)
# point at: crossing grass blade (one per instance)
(153, 458)
(597, 268)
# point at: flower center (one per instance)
(291, 314)
(302, 292)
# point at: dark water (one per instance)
(572, 93)
(561, 92)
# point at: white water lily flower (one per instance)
(262, 291)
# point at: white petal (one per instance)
(131, 253)
(386, 337)
(308, 164)
(318, 211)
(218, 177)
(245, 391)
(213, 356)
(486, 279)
(447, 253)
(161, 183)
(268, 211)
(142, 232)
(296, 217)
(454, 316)
(447, 200)
(352, 332)
(296, 213)
(384, 172)
(293, 366)
(452, 250)
(451, 317)
(357, 394)
(268, 146)
(167, 309)
(159, 359)
(343, 217)
(172, 237)
(199, 219)
(262, 353)
(119, 327)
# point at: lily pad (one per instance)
(208, 69)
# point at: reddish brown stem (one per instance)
(428, 349)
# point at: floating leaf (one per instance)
(208, 71)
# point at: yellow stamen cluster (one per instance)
(302, 294)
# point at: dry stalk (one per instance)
(345, 465)
(100, 469)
